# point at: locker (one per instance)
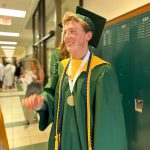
(127, 46)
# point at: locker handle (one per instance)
(139, 105)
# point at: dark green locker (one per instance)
(141, 83)
(129, 53)
(115, 47)
(122, 62)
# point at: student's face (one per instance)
(75, 37)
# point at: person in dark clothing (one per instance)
(19, 71)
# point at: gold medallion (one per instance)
(70, 100)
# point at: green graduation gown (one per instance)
(55, 58)
(107, 119)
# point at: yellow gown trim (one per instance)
(95, 62)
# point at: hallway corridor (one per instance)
(20, 137)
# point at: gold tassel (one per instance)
(90, 148)
(56, 142)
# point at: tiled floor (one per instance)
(20, 137)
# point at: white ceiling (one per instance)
(20, 25)
(107, 8)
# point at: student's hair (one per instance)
(71, 16)
(36, 64)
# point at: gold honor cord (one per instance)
(88, 111)
(57, 136)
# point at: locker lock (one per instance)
(139, 105)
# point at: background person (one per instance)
(9, 73)
(1, 74)
(19, 71)
(35, 86)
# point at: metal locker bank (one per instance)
(126, 44)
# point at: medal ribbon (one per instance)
(72, 82)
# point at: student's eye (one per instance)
(72, 31)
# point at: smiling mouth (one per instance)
(68, 44)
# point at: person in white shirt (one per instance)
(9, 72)
(1, 74)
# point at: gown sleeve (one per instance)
(109, 126)
(47, 111)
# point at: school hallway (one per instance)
(20, 137)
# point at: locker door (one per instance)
(122, 62)
(141, 83)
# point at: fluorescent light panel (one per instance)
(7, 42)
(8, 47)
(9, 34)
(12, 12)
(9, 50)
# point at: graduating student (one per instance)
(82, 99)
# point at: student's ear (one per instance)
(89, 35)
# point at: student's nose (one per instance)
(67, 35)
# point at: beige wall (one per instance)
(113, 8)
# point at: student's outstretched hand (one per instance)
(33, 102)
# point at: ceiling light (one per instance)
(9, 34)
(8, 47)
(7, 42)
(9, 50)
(12, 12)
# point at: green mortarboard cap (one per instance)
(95, 22)
(60, 25)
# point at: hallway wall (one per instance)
(114, 8)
